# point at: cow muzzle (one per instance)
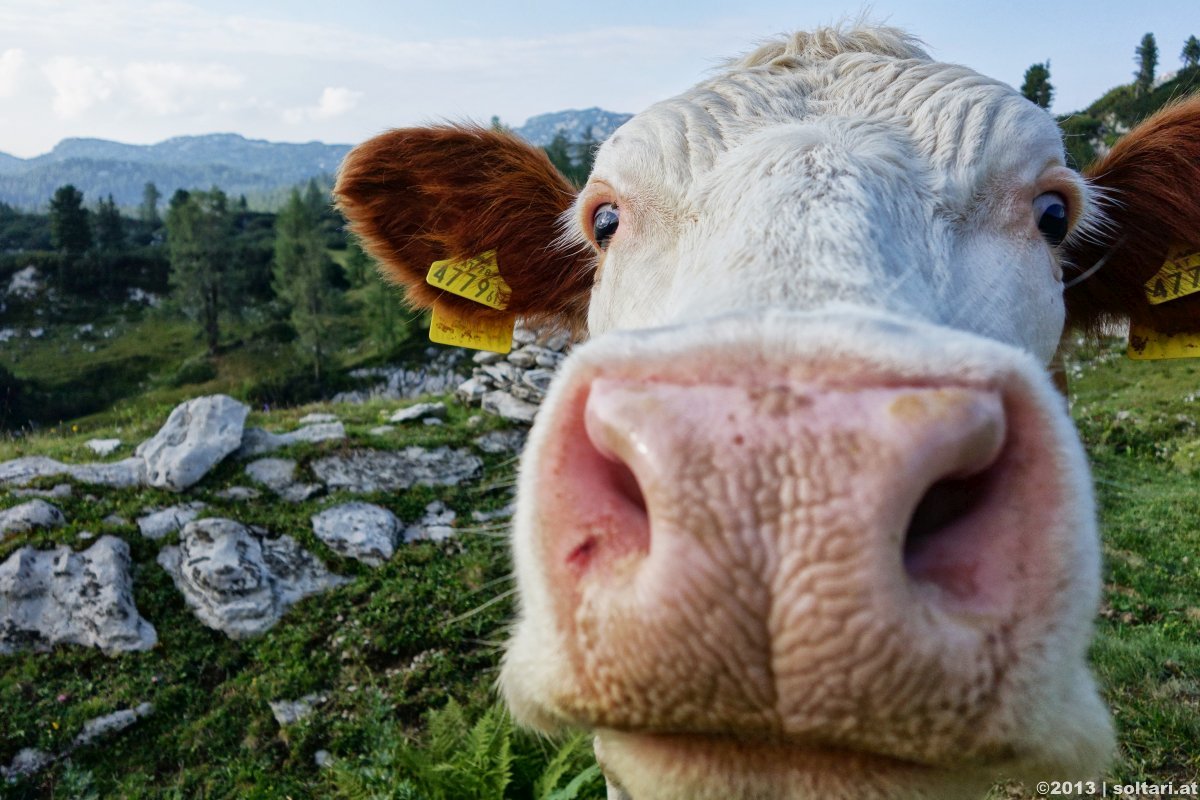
(809, 541)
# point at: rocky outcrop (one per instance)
(419, 411)
(279, 475)
(361, 531)
(513, 386)
(363, 471)
(435, 526)
(239, 581)
(157, 524)
(437, 376)
(30, 516)
(257, 441)
(58, 596)
(196, 436)
(103, 447)
(118, 474)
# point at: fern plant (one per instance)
(455, 758)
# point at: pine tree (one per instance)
(1037, 87)
(69, 228)
(301, 279)
(1147, 60)
(200, 245)
(148, 210)
(586, 156)
(559, 152)
(110, 231)
(1191, 53)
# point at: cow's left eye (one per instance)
(604, 224)
(1050, 211)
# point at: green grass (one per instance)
(421, 634)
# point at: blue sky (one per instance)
(144, 70)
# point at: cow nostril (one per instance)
(932, 550)
(626, 483)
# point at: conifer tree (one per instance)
(301, 279)
(1147, 59)
(1191, 53)
(200, 247)
(1037, 87)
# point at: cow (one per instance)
(802, 515)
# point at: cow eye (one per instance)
(604, 224)
(1050, 211)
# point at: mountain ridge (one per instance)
(258, 168)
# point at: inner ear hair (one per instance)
(1149, 180)
(418, 195)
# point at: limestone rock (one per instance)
(317, 418)
(358, 530)
(363, 471)
(382, 430)
(50, 597)
(505, 405)
(435, 526)
(490, 516)
(158, 524)
(419, 411)
(119, 474)
(196, 436)
(60, 491)
(257, 441)
(239, 493)
(289, 712)
(30, 516)
(275, 473)
(509, 441)
(112, 723)
(28, 761)
(103, 447)
(241, 582)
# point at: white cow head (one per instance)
(804, 517)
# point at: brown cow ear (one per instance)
(418, 195)
(1150, 180)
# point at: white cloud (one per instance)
(334, 102)
(78, 85)
(12, 65)
(164, 87)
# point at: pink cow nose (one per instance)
(799, 561)
(796, 472)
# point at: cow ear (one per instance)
(418, 195)
(1149, 184)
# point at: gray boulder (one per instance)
(60, 492)
(274, 473)
(103, 447)
(238, 581)
(119, 474)
(257, 441)
(158, 524)
(196, 436)
(363, 471)
(109, 724)
(58, 596)
(435, 526)
(505, 405)
(362, 531)
(419, 411)
(30, 516)
(510, 441)
(289, 712)
(28, 761)
(317, 418)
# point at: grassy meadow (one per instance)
(406, 655)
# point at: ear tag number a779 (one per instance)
(477, 279)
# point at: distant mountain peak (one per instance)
(574, 123)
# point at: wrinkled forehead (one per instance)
(964, 127)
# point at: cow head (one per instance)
(804, 517)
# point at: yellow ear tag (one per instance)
(1150, 345)
(1178, 277)
(477, 279)
(448, 326)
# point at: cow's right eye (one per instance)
(604, 224)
